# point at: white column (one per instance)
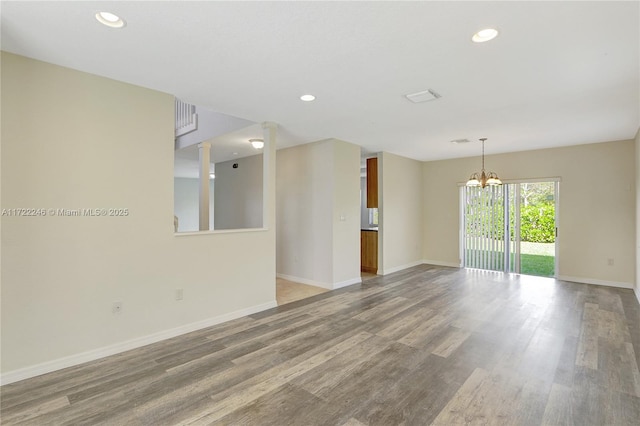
(204, 150)
(269, 135)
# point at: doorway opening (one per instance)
(511, 228)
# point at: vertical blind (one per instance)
(485, 228)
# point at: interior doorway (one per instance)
(511, 228)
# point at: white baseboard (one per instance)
(596, 282)
(347, 283)
(301, 280)
(399, 268)
(72, 360)
(441, 263)
(328, 286)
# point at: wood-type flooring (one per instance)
(428, 345)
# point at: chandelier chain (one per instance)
(482, 180)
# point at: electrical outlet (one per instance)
(116, 308)
(179, 294)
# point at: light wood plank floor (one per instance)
(428, 345)
(289, 291)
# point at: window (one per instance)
(235, 179)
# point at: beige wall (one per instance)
(74, 140)
(317, 184)
(346, 213)
(304, 212)
(401, 212)
(596, 215)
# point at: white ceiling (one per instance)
(560, 73)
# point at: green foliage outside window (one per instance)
(537, 223)
(537, 215)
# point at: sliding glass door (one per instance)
(510, 228)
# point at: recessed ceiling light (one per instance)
(212, 175)
(485, 35)
(110, 20)
(257, 143)
(307, 98)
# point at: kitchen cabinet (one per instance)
(369, 251)
(372, 183)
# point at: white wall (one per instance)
(400, 209)
(75, 140)
(317, 183)
(238, 193)
(186, 202)
(637, 180)
(596, 212)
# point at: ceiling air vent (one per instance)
(456, 141)
(424, 96)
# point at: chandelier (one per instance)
(484, 179)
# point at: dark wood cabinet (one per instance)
(369, 251)
(372, 183)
